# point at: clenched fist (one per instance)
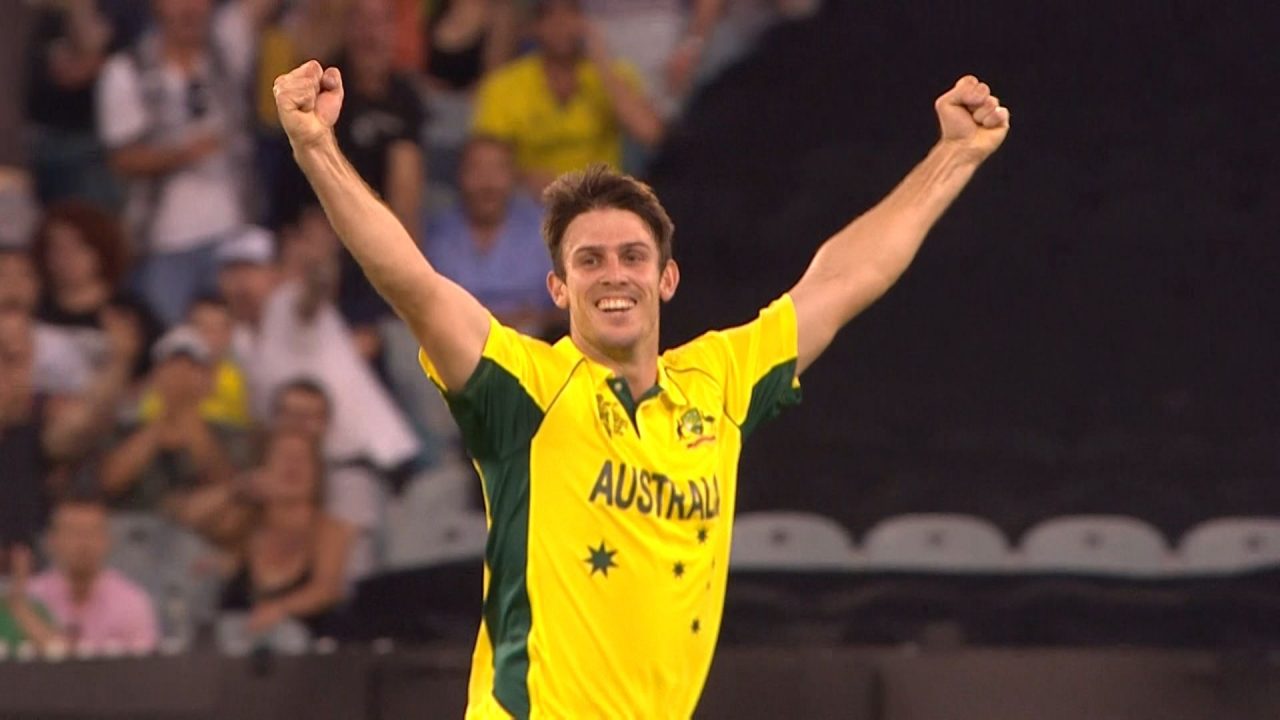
(308, 100)
(972, 118)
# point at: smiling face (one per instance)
(613, 286)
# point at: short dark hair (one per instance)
(595, 188)
(304, 385)
(98, 228)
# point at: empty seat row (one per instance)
(1089, 544)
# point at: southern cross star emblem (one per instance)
(601, 559)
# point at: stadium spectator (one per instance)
(301, 334)
(43, 430)
(156, 463)
(567, 104)
(58, 363)
(247, 275)
(228, 401)
(491, 243)
(90, 604)
(69, 44)
(381, 136)
(467, 39)
(81, 257)
(171, 111)
(353, 490)
(663, 39)
(292, 563)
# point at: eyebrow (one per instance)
(600, 248)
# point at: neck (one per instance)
(637, 366)
(484, 233)
(81, 586)
(79, 298)
(181, 54)
(559, 64)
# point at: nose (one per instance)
(613, 274)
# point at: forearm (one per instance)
(315, 597)
(36, 630)
(706, 13)
(122, 466)
(211, 461)
(141, 160)
(634, 112)
(71, 432)
(866, 257)
(368, 228)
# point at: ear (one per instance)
(559, 290)
(668, 281)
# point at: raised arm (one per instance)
(858, 264)
(451, 325)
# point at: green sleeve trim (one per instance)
(770, 395)
(508, 616)
(498, 418)
(495, 413)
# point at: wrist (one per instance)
(322, 146)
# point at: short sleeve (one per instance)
(501, 405)
(121, 113)
(761, 366)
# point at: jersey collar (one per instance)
(603, 376)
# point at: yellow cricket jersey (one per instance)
(516, 104)
(610, 518)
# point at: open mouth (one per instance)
(615, 304)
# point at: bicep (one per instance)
(452, 327)
(816, 320)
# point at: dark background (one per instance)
(1093, 327)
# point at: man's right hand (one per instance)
(308, 100)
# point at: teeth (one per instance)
(615, 303)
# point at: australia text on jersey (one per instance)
(653, 493)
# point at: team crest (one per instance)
(695, 428)
(611, 416)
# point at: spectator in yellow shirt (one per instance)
(567, 104)
(228, 400)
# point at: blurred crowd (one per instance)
(191, 365)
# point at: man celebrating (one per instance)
(609, 469)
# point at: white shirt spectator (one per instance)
(141, 98)
(366, 422)
(60, 364)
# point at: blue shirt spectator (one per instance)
(491, 242)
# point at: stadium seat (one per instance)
(1230, 545)
(936, 542)
(1096, 544)
(441, 539)
(790, 541)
